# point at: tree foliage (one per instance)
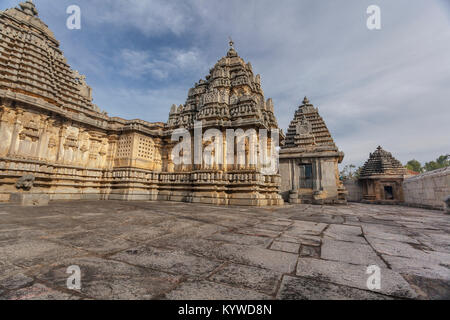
(414, 165)
(350, 172)
(441, 162)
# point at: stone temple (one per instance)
(309, 160)
(63, 147)
(382, 178)
(50, 128)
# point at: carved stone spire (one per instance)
(305, 101)
(232, 52)
(382, 162)
(231, 43)
(29, 8)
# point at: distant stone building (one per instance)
(382, 177)
(309, 160)
(50, 128)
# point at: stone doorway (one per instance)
(388, 193)
(306, 176)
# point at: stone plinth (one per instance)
(30, 199)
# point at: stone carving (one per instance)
(28, 8)
(304, 126)
(26, 182)
(50, 126)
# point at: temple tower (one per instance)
(309, 160)
(382, 178)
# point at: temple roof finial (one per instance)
(231, 52)
(231, 43)
(305, 101)
(29, 8)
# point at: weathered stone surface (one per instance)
(38, 292)
(419, 267)
(345, 233)
(305, 228)
(285, 246)
(108, 279)
(388, 233)
(176, 262)
(258, 279)
(259, 232)
(408, 250)
(230, 237)
(29, 199)
(433, 289)
(310, 251)
(16, 281)
(92, 241)
(322, 218)
(205, 290)
(310, 289)
(39, 243)
(350, 252)
(355, 276)
(274, 260)
(31, 253)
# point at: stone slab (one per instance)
(293, 288)
(106, 279)
(172, 261)
(285, 246)
(206, 290)
(268, 259)
(350, 252)
(258, 279)
(38, 292)
(392, 283)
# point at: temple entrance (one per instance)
(306, 176)
(388, 193)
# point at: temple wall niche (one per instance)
(7, 117)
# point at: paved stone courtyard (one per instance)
(165, 250)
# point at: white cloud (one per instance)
(168, 62)
(151, 17)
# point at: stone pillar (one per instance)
(42, 137)
(15, 134)
(60, 154)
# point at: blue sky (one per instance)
(389, 87)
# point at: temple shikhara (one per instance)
(56, 144)
(309, 160)
(382, 178)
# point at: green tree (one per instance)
(414, 165)
(441, 162)
(350, 172)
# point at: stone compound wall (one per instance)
(428, 190)
(354, 190)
